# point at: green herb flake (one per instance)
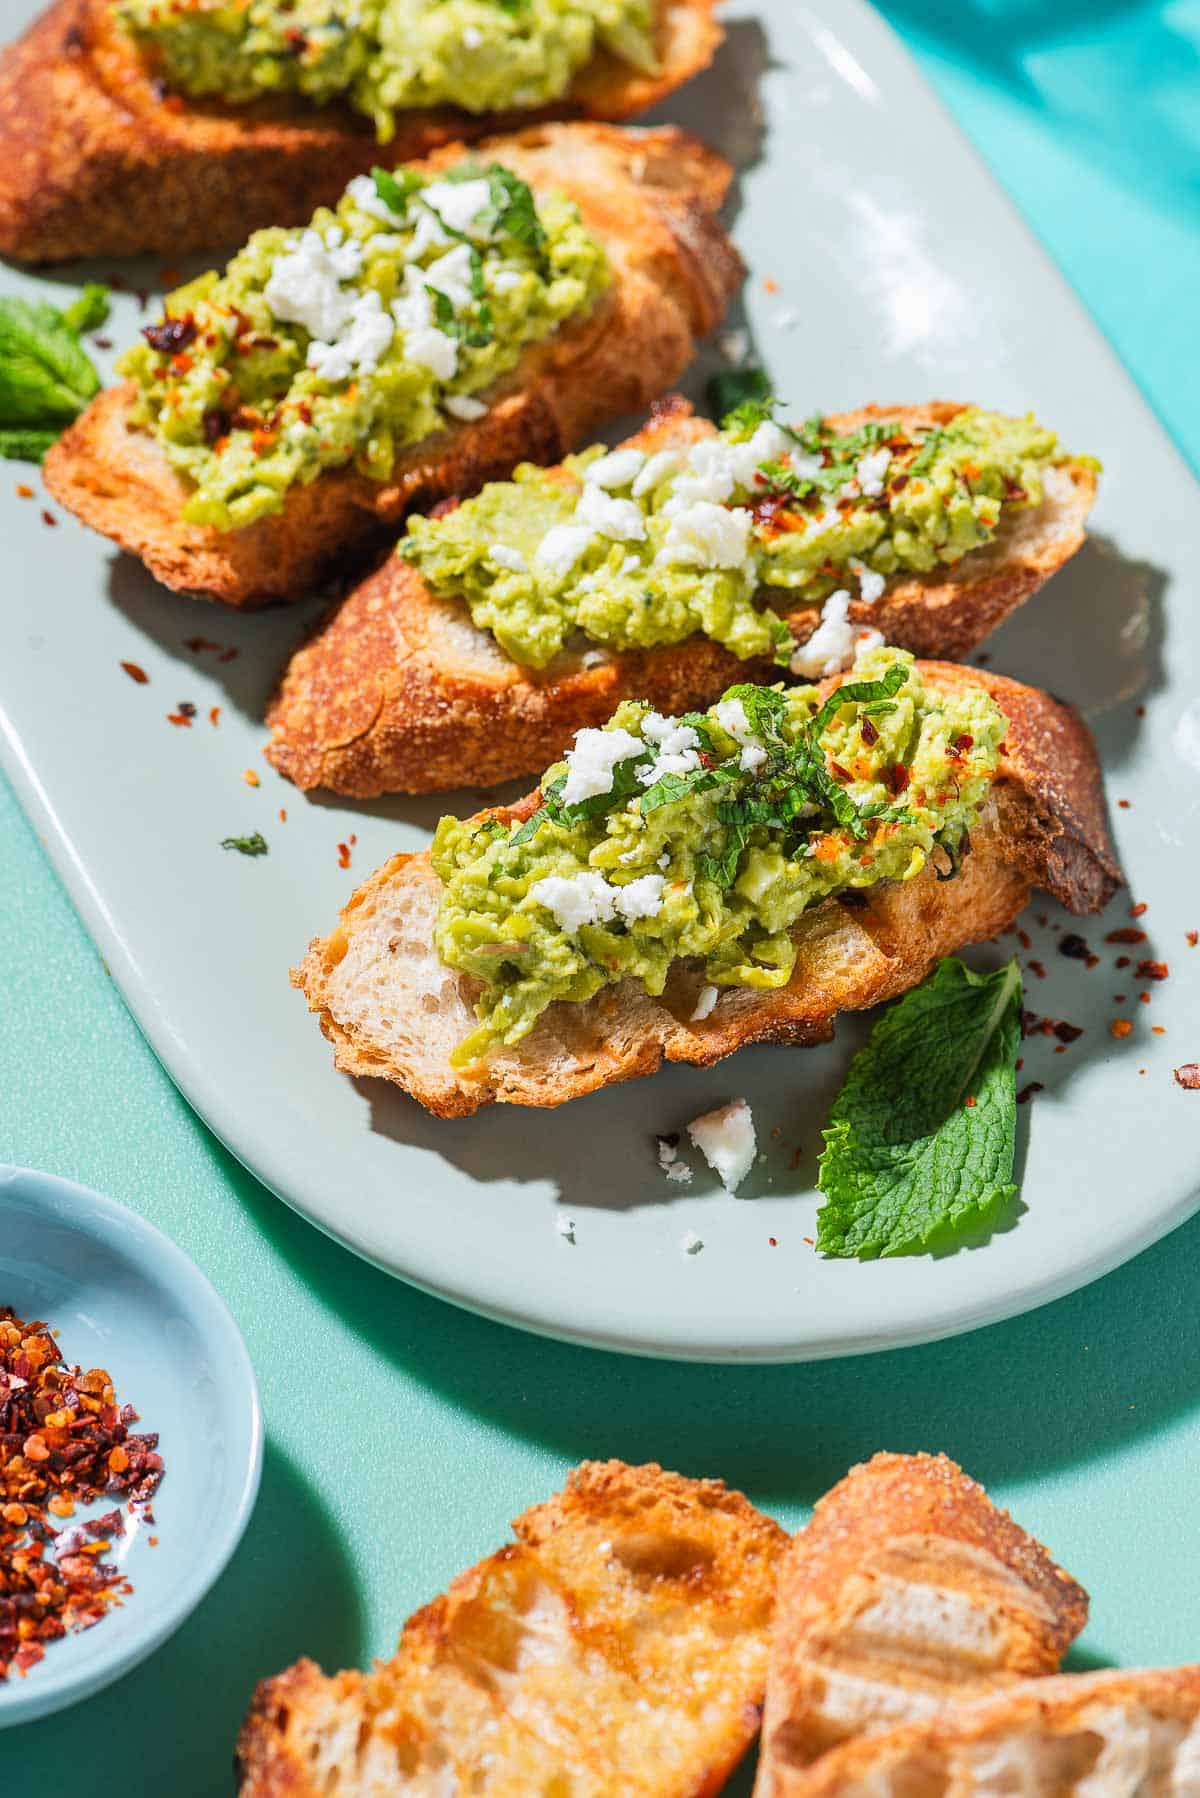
(395, 190)
(740, 397)
(89, 311)
(26, 445)
(920, 1142)
(251, 845)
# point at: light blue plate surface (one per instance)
(125, 1298)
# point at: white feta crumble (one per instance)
(366, 196)
(690, 1243)
(870, 584)
(593, 658)
(788, 319)
(461, 405)
(704, 1004)
(619, 519)
(715, 467)
(575, 899)
(424, 344)
(565, 1226)
(640, 899)
(678, 748)
(726, 1140)
(591, 762)
(670, 1162)
(458, 204)
(451, 275)
(561, 548)
(361, 342)
(472, 37)
(872, 470)
(305, 285)
(505, 279)
(504, 557)
(705, 535)
(655, 470)
(618, 469)
(427, 235)
(831, 646)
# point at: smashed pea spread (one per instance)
(635, 550)
(387, 56)
(707, 836)
(372, 328)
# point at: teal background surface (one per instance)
(401, 1435)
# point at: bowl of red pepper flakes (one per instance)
(130, 1441)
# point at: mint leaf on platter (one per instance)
(255, 844)
(909, 1164)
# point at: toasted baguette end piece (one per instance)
(97, 162)
(652, 198)
(398, 691)
(392, 1010)
(619, 1645)
(909, 1591)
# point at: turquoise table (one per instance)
(401, 1434)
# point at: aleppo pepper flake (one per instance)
(64, 1440)
(1152, 970)
(1126, 933)
(1188, 1076)
(136, 672)
(172, 335)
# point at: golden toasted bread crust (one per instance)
(909, 1591)
(1089, 1733)
(651, 197)
(647, 1600)
(396, 692)
(1044, 823)
(96, 161)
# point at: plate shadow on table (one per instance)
(203, 1677)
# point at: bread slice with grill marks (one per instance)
(652, 198)
(398, 691)
(96, 160)
(1133, 1734)
(391, 1009)
(617, 1649)
(907, 1593)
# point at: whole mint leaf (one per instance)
(909, 1163)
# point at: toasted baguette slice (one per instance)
(399, 692)
(1096, 1735)
(619, 1647)
(907, 1592)
(392, 1009)
(651, 198)
(96, 161)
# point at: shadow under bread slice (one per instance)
(97, 158)
(401, 690)
(350, 431)
(878, 910)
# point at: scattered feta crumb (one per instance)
(618, 469)
(831, 646)
(561, 548)
(593, 658)
(461, 405)
(472, 37)
(678, 748)
(565, 1226)
(359, 344)
(458, 204)
(366, 196)
(871, 472)
(787, 320)
(451, 274)
(671, 1164)
(704, 1004)
(657, 469)
(641, 898)
(591, 761)
(504, 557)
(305, 285)
(870, 584)
(505, 279)
(620, 519)
(707, 535)
(427, 235)
(690, 1243)
(575, 899)
(423, 342)
(726, 1140)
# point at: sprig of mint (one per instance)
(46, 378)
(740, 395)
(919, 1146)
(255, 844)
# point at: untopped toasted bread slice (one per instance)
(392, 1009)
(96, 160)
(1096, 1735)
(398, 691)
(650, 197)
(908, 1592)
(617, 1650)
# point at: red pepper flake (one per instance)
(1020, 1063)
(1067, 1033)
(1193, 937)
(1139, 910)
(1141, 711)
(1126, 805)
(199, 644)
(64, 1440)
(171, 335)
(1188, 1076)
(214, 712)
(283, 814)
(771, 285)
(810, 1242)
(896, 778)
(24, 491)
(797, 1158)
(1075, 948)
(1038, 969)
(343, 850)
(1144, 998)
(970, 1103)
(49, 518)
(181, 718)
(227, 655)
(1121, 1027)
(773, 1242)
(1127, 933)
(250, 777)
(136, 672)
(152, 1541)
(868, 732)
(1026, 1093)
(1158, 1029)
(353, 839)
(1122, 961)
(1025, 940)
(1118, 998)
(169, 276)
(1153, 970)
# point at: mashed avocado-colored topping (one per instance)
(636, 550)
(387, 56)
(707, 836)
(369, 330)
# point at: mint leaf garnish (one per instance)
(25, 445)
(46, 378)
(740, 396)
(89, 311)
(251, 845)
(909, 1162)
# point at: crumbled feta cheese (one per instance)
(461, 405)
(669, 1160)
(640, 899)
(788, 319)
(505, 279)
(677, 744)
(427, 235)
(715, 467)
(561, 548)
(664, 860)
(870, 584)
(591, 762)
(359, 345)
(831, 646)
(704, 535)
(472, 37)
(458, 204)
(655, 470)
(575, 899)
(366, 196)
(305, 285)
(619, 519)
(451, 275)
(704, 1004)
(726, 1140)
(504, 557)
(565, 1226)
(871, 472)
(593, 658)
(617, 469)
(731, 716)
(690, 1243)
(423, 342)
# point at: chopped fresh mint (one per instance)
(394, 189)
(89, 311)
(46, 379)
(251, 845)
(24, 445)
(920, 1141)
(740, 396)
